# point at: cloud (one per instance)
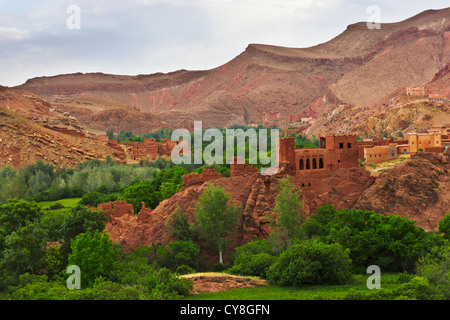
(148, 36)
(12, 34)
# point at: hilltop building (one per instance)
(150, 149)
(307, 165)
(415, 91)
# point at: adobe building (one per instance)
(387, 143)
(443, 129)
(423, 141)
(383, 153)
(415, 91)
(309, 164)
(150, 149)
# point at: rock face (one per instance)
(419, 189)
(255, 193)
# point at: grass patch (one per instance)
(316, 292)
(67, 203)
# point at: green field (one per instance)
(67, 203)
(317, 292)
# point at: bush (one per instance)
(252, 247)
(254, 264)
(56, 206)
(391, 242)
(253, 258)
(417, 288)
(184, 269)
(219, 267)
(174, 254)
(311, 262)
(444, 226)
(434, 267)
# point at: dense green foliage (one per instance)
(39, 240)
(311, 262)
(94, 254)
(444, 226)
(391, 242)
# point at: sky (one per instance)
(131, 37)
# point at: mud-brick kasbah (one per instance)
(330, 173)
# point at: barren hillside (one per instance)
(26, 135)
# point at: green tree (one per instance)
(287, 227)
(311, 262)
(53, 260)
(216, 218)
(141, 192)
(180, 227)
(23, 250)
(15, 214)
(94, 254)
(391, 242)
(444, 226)
(80, 220)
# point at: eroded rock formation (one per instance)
(255, 193)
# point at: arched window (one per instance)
(301, 164)
(308, 165)
(320, 163)
(314, 163)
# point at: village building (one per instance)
(415, 91)
(150, 149)
(309, 165)
(378, 154)
(430, 142)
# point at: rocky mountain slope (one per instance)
(354, 70)
(31, 129)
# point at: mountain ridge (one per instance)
(271, 84)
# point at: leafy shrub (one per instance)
(252, 247)
(184, 269)
(141, 192)
(56, 206)
(444, 226)
(254, 264)
(417, 288)
(434, 267)
(311, 262)
(392, 242)
(219, 267)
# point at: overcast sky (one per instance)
(50, 37)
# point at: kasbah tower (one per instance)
(309, 165)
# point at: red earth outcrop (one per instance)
(253, 192)
(419, 189)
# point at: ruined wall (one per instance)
(198, 179)
(150, 149)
